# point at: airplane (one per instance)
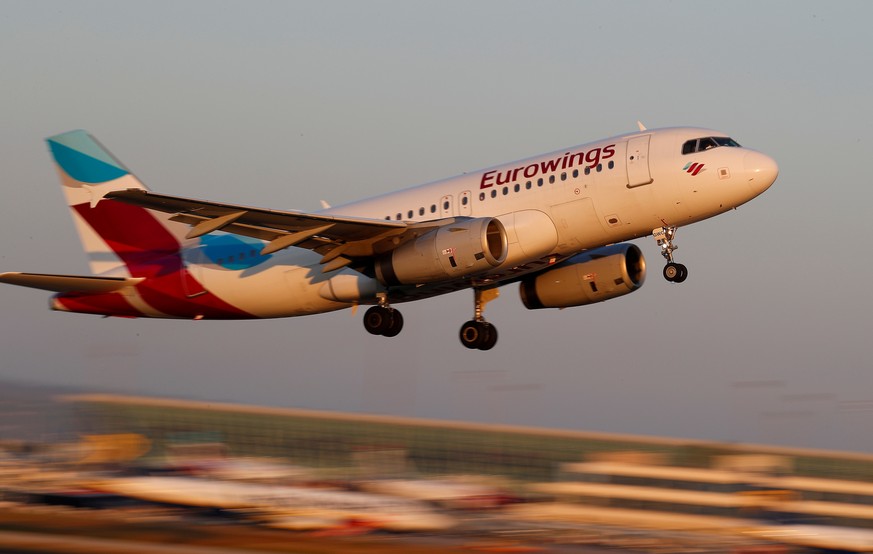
(283, 506)
(556, 223)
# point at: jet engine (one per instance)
(589, 277)
(463, 247)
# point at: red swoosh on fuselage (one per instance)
(149, 250)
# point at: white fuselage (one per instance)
(552, 206)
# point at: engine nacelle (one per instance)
(586, 278)
(464, 247)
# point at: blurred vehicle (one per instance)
(284, 506)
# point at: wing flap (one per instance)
(68, 283)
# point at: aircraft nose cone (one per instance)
(761, 171)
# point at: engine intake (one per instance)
(463, 247)
(586, 278)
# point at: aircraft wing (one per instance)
(337, 238)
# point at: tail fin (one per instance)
(114, 235)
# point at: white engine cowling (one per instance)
(586, 278)
(458, 249)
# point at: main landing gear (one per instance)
(673, 272)
(478, 333)
(383, 319)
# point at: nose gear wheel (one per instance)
(673, 272)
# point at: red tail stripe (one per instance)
(149, 250)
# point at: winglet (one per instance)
(641, 126)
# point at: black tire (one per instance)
(377, 320)
(672, 272)
(471, 334)
(683, 273)
(490, 338)
(396, 323)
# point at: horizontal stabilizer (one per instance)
(68, 283)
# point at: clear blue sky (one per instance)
(281, 104)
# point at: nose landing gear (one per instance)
(673, 272)
(478, 333)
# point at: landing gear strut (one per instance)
(383, 319)
(478, 333)
(673, 272)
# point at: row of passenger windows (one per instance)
(505, 191)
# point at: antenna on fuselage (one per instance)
(641, 126)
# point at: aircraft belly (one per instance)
(277, 291)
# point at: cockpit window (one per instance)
(705, 143)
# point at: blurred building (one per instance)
(395, 445)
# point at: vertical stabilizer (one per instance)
(112, 233)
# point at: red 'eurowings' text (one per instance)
(591, 158)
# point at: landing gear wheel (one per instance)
(377, 320)
(396, 324)
(478, 335)
(471, 334)
(675, 273)
(490, 337)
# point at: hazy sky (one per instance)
(282, 104)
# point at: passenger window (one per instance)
(493, 193)
(446, 205)
(551, 179)
(481, 196)
(540, 182)
(399, 217)
(563, 176)
(409, 214)
(421, 211)
(611, 164)
(599, 168)
(587, 170)
(505, 191)
(517, 187)
(527, 185)
(464, 200)
(433, 208)
(576, 173)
